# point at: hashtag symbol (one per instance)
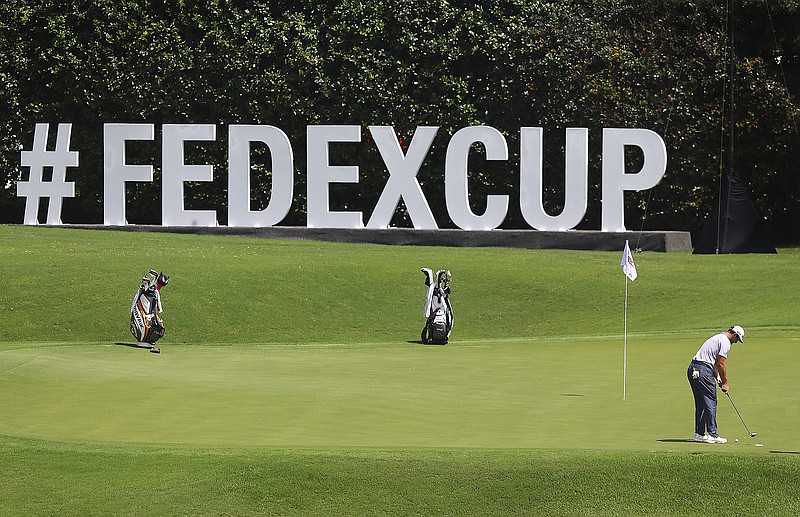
(36, 187)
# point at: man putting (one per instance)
(708, 367)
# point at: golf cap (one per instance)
(739, 331)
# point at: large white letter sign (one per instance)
(402, 181)
(117, 172)
(239, 138)
(176, 172)
(37, 160)
(576, 189)
(320, 174)
(455, 178)
(616, 181)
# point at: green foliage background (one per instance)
(656, 64)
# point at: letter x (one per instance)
(402, 182)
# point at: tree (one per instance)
(656, 64)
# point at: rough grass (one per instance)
(75, 284)
(46, 478)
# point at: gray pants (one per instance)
(704, 388)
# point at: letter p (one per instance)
(616, 181)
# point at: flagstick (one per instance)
(629, 268)
(625, 345)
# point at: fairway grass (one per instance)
(292, 382)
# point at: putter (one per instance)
(752, 435)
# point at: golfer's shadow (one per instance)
(676, 440)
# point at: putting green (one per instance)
(551, 393)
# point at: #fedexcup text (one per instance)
(402, 184)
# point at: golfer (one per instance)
(709, 365)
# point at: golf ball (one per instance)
(736, 440)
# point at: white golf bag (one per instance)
(146, 324)
(438, 312)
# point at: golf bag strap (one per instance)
(136, 299)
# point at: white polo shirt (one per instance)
(718, 345)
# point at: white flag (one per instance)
(628, 267)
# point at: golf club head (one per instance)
(162, 280)
(753, 435)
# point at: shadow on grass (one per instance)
(132, 345)
(689, 440)
(137, 345)
(418, 342)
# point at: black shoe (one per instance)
(155, 350)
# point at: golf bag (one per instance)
(438, 312)
(146, 324)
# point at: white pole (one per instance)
(625, 345)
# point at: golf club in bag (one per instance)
(146, 324)
(438, 312)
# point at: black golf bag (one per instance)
(438, 312)
(146, 324)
